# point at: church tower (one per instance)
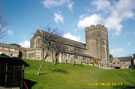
(97, 42)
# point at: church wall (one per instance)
(69, 56)
(34, 54)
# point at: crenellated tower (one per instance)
(97, 42)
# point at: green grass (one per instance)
(64, 76)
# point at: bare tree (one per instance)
(52, 44)
(2, 24)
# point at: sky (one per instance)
(72, 16)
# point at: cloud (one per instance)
(10, 32)
(53, 3)
(114, 23)
(56, 3)
(116, 13)
(70, 6)
(90, 20)
(58, 18)
(122, 10)
(101, 4)
(117, 52)
(25, 44)
(72, 37)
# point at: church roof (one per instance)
(64, 40)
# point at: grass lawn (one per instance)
(64, 76)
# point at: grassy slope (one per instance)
(63, 76)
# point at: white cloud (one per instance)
(10, 32)
(72, 37)
(53, 3)
(123, 10)
(101, 4)
(25, 44)
(56, 3)
(129, 43)
(116, 13)
(70, 6)
(117, 52)
(113, 23)
(58, 18)
(90, 20)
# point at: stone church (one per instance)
(96, 47)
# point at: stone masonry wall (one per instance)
(97, 42)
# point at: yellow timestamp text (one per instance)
(105, 84)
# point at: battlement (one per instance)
(96, 27)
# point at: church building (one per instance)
(96, 47)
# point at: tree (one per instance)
(111, 56)
(2, 24)
(52, 44)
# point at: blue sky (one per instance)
(72, 16)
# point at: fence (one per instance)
(11, 76)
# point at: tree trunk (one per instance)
(54, 57)
(38, 73)
(73, 63)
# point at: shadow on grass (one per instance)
(55, 70)
(129, 87)
(125, 78)
(125, 87)
(45, 73)
(60, 71)
(28, 83)
(128, 80)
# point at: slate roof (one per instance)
(65, 40)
